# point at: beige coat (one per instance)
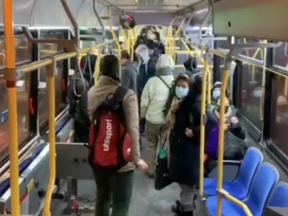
(97, 95)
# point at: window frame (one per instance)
(33, 94)
(270, 112)
(67, 35)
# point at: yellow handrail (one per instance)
(236, 201)
(208, 69)
(173, 41)
(97, 69)
(113, 33)
(51, 136)
(10, 76)
(202, 131)
(47, 61)
(168, 36)
(221, 139)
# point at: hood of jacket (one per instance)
(143, 51)
(164, 71)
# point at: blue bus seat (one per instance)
(265, 178)
(279, 196)
(240, 186)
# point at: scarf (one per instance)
(170, 118)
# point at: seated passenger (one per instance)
(116, 186)
(153, 101)
(77, 96)
(234, 145)
(129, 72)
(183, 121)
(216, 92)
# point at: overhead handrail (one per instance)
(202, 130)
(205, 21)
(69, 45)
(99, 19)
(10, 76)
(27, 68)
(173, 40)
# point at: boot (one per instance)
(177, 208)
(190, 213)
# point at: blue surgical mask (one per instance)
(216, 94)
(181, 92)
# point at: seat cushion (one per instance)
(228, 208)
(232, 187)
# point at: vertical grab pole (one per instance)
(202, 131)
(221, 133)
(52, 151)
(168, 36)
(209, 86)
(97, 68)
(10, 75)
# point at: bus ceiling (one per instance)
(35, 13)
(256, 19)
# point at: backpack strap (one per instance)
(163, 81)
(119, 94)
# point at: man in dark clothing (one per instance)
(191, 65)
(77, 96)
(87, 64)
(129, 72)
(147, 66)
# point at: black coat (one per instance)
(184, 152)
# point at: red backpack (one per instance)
(109, 142)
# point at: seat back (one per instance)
(265, 178)
(253, 158)
(279, 196)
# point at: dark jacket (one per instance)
(234, 145)
(191, 65)
(184, 152)
(78, 102)
(129, 76)
(146, 71)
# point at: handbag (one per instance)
(162, 178)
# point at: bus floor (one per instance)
(146, 201)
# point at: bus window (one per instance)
(252, 53)
(43, 93)
(281, 57)
(23, 50)
(279, 126)
(23, 91)
(251, 93)
(48, 49)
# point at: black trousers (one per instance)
(113, 187)
(81, 132)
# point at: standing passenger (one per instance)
(129, 72)
(153, 101)
(117, 186)
(77, 96)
(183, 121)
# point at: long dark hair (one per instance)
(182, 76)
(109, 66)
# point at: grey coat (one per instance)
(129, 75)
